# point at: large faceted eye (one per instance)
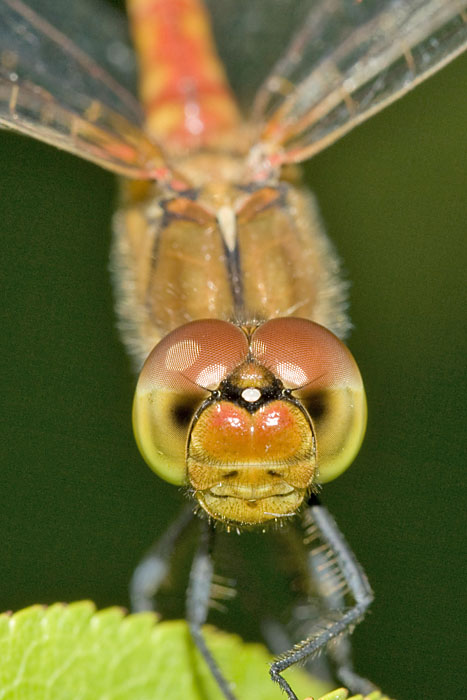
(324, 376)
(176, 378)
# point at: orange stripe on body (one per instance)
(183, 87)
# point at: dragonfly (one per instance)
(228, 291)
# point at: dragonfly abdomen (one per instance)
(185, 95)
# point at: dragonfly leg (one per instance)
(277, 638)
(337, 574)
(341, 654)
(154, 566)
(198, 600)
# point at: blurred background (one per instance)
(80, 506)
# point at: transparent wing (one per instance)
(66, 77)
(250, 36)
(349, 59)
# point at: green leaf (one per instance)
(72, 652)
(343, 694)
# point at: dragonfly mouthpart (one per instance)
(250, 505)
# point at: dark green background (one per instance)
(78, 504)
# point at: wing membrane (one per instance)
(53, 90)
(349, 60)
(250, 36)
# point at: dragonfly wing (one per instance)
(349, 59)
(74, 94)
(250, 35)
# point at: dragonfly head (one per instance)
(251, 418)
(251, 454)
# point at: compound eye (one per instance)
(323, 375)
(176, 378)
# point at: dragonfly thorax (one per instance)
(225, 249)
(212, 168)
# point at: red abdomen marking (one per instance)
(183, 88)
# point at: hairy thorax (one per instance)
(225, 248)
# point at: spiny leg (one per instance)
(153, 568)
(333, 588)
(277, 638)
(198, 600)
(344, 576)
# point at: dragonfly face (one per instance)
(239, 413)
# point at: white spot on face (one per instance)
(182, 355)
(251, 394)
